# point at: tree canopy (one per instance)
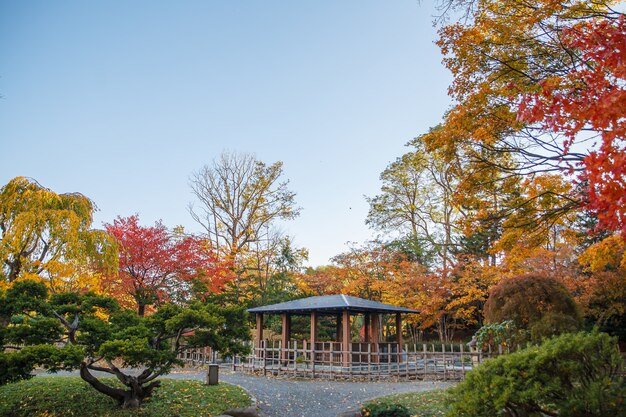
(535, 83)
(89, 332)
(49, 236)
(157, 266)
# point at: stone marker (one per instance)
(212, 377)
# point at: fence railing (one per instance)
(364, 361)
(369, 361)
(200, 356)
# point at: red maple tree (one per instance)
(157, 265)
(592, 98)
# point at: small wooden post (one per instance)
(462, 361)
(424, 359)
(264, 342)
(313, 359)
(443, 354)
(369, 360)
(406, 368)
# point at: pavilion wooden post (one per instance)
(366, 325)
(313, 336)
(346, 339)
(375, 331)
(339, 331)
(258, 337)
(286, 336)
(399, 335)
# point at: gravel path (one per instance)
(311, 398)
(278, 397)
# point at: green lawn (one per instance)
(71, 396)
(421, 404)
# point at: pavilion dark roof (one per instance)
(331, 304)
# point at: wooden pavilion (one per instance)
(343, 352)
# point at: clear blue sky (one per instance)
(122, 100)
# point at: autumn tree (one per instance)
(239, 201)
(525, 75)
(602, 288)
(470, 283)
(49, 236)
(157, 266)
(321, 280)
(536, 303)
(591, 97)
(384, 272)
(278, 272)
(430, 294)
(416, 201)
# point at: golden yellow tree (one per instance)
(48, 236)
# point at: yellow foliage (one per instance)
(47, 235)
(609, 254)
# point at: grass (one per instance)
(421, 404)
(70, 396)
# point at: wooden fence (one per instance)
(365, 361)
(200, 356)
(449, 362)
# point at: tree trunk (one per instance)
(131, 398)
(15, 268)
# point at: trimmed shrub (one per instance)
(385, 409)
(536, 302)
(572, 375)
(552, 324)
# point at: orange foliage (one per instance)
(592, 97)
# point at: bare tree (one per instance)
(240, 197)
(239, 200)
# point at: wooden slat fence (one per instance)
(449, 362)
(369, 361)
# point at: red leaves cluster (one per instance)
(592, 97)
(156, 266)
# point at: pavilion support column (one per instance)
(313, 337)
(346, 339)
(286, 336)
(338, 332)
(366, 327)
(258, 336)
(374, 336)
(399, 335)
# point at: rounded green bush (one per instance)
(574, 375)
(385, 409)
